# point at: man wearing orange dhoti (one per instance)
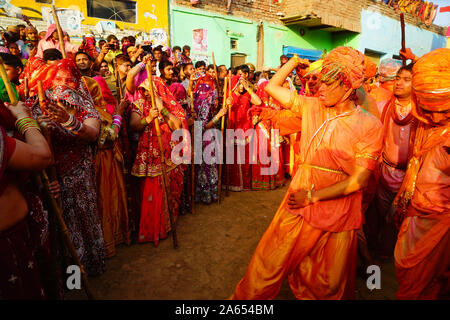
(422, 251)
(312, 238)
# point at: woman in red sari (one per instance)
(241, 100)
(24, 234)
(154, 223)
(263, 130)
(74, 126)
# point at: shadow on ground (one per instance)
(215, 247)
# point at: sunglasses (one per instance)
(314, 78)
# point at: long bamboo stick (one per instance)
(402, 26)
(118, 81)
(215, 71)
(60, 33)
(165, 180)
(191, 94)
(9, 89)
(56, 206)
(222, 129)
(227, 169)
(27, 88)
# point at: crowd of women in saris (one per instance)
(107, 167)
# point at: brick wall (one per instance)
(340, 13)
(255, 10)
(347, 13)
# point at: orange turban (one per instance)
(431, 80)
(371, 68)
(347, 63)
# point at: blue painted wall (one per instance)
(383, 34)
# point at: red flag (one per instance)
(445, 9)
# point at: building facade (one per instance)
(101, 17)
(259, 31)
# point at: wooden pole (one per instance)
(215, 71)
(65, 232)
(227, 169)
(56, 207)
(222, 129)
(402, 24)
(8, 86)
(165, 180)
(62, 48)
(191, 94)
(26, 88)
(118, 81)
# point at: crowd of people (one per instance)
(365, 146)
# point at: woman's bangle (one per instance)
(164, 112)
(25, 124)
(215, 119)
(141, 65)
(116, 116)
(117, 121)
(75, 127)
(70, 122)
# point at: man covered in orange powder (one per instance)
(387, 71)
(422, 252)
(398, 133)
(313, 237)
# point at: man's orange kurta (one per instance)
(422, 252)
(316, 245)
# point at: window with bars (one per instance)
(117, 10)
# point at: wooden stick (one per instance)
(165, 180)
(118, 81)
(56, 207)
(222, 129)
(215, 71)
(65, 232)
(8, 86)
(26, 88)
(191, 94)
(227, 171)
(402, 24)
(60, 33)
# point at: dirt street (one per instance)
(215, 247)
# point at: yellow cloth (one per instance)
(316, 66)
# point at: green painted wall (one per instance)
(347, 38)
(184, 20)
(275, 37)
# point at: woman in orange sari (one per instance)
(109, 163)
